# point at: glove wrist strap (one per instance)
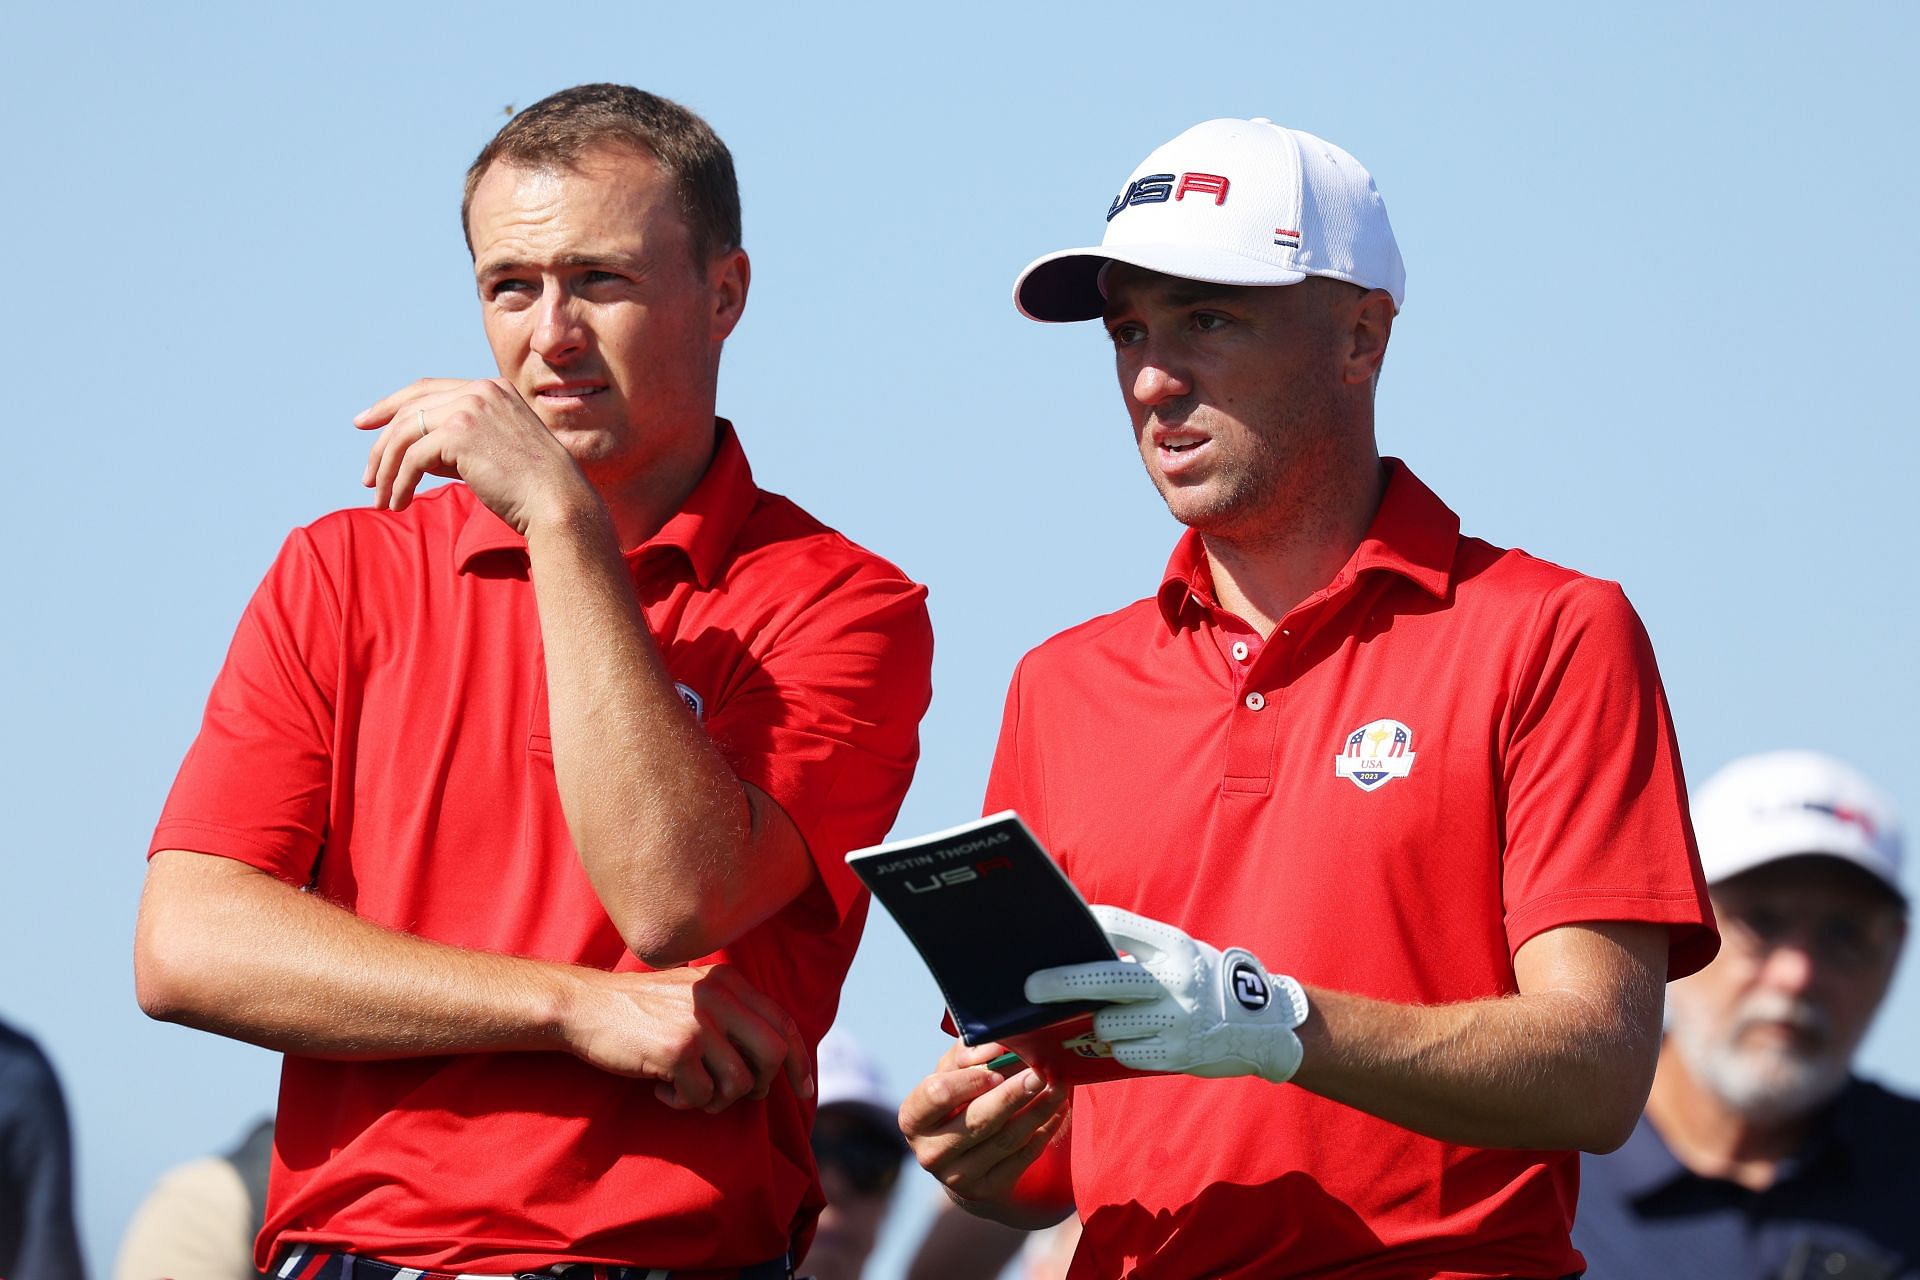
(1292, 999)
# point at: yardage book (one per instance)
(985, 906)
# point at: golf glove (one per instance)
(1182, 1005)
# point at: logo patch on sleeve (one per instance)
(1376, 754)
(693, 701)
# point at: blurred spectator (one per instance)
(959, 1246)
(857, 1142)
(1761, 1154)
(201, 1217)
(38, 1239)
(1048, 1254)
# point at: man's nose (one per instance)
(1791, 965)
(1159, 378)
(558, 332)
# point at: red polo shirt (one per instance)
(1448, 750)
(380, 732)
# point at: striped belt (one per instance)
(303, 1263)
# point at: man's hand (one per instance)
(481, 432)
(706, 1035)
(977, 1130)
(1181, 1005)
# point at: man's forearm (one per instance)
(682, 854)
(225, 948)
(1558, 1067)
(1511, 1072)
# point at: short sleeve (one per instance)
(829, 723)
(256, 783)
(1597, 826)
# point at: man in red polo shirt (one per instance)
(1431, 782)
(517, 817)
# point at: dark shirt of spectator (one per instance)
(1848, 1206)
(38, 1239)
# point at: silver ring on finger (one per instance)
(423, 420)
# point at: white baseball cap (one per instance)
(1230, 202)
(1787, 804)
(849, 1077)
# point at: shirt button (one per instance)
(1239, 650)
(1255, 701)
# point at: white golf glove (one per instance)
(1181, 1005)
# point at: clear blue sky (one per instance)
(1661, 276)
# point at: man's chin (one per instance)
(1773, 1085)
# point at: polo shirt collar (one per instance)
(1413, 534)
(1644, 1166)
(703, 530)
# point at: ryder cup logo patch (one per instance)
(1376, 754)
(692, 699)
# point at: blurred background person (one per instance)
(201, 1217)
(1048, 1254)
(857, 1143)
(38, 1240)
(1760, 1153)
(959, 1246)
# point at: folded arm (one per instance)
(227, 948)
(684, 855)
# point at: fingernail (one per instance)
(806, 1086)
(1033, 1083)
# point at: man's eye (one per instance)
(1208, 321)
(1765, 924)
(504, 288)
(1843, 939)
(598, 277)
(1125, 334)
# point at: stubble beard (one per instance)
(1263, 489)
(1767, 1083)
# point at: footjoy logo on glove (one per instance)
(1376, 754)
(1250, 986)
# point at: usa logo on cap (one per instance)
(1375, 754)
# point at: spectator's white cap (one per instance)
(850, 1078)
(1787, 804)
(1230, 202)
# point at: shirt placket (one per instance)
(1252, 718)
(1263, 672)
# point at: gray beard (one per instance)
(1768, 1085)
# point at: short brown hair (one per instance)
(557, 130)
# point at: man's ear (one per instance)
(727, 278)
(1370, 325)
